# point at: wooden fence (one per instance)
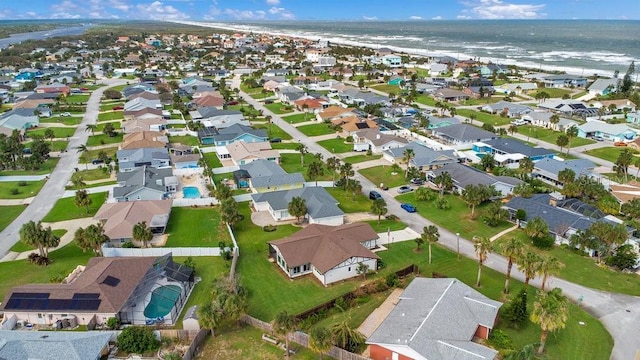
(195, 345)
(302, 339)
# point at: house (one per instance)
(569, 107)
(145, 183)
(424, 158)
(144, 124)
(564, 81)
(351, 124)
(209, 101)
(144, 139)
(213, 117)
(510, 109)
(71, 345)
(146, 113)
(119, 218)
(242, 153)
(463, 175)
(231, 134)
(602, 87)
(128, 160)
(55, 88)
(391, 60)
(330, 253)
(184, 160)
(322, 208)
(625, 192)
(107, 287)
(376, 141)
(447, 94)
(333, 112)
(289, 94)
(612, 132)
(435, 319)
(616, 105)
(18, 120)
(509, 151)
(263, 175)
(358, 98)
(437, 69)
(548, 169)
(516, 88)
(462, 134)
(140, 103)
(543, 119)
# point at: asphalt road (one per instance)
(619, 313)
(54, 188)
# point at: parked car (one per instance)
(232, 103)
(276, 140)
(417, 181)
(518, 122)
(373, 195)
(267, 102)
(404, 189)
(97, 161)
(598, 138)
(408, 207)
(84, 89)
(119, 107)
(65, 114)
(383, 186)
(619, 143)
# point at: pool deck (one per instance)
(194, 180)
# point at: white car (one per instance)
(518, 122)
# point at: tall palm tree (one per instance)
(379, 207)
(49, 134)
(513, 249)
(482, 246)
(302, 148)
(320, 340)
(430, 234)
(268, 118)
(83, 151)
(346, 171)
(333, 165)
(551, 312)
(407, 155)
(142, 233)
(315, 170)
(92, 128)
(530, 266)
(82, 199)
(571, 133)
(283, 324)
(526, 166)
(346, 337)
(443, 181)
(549, 266)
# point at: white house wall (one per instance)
(347, 270)
(332, 220)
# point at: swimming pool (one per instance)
(163, 299)
(191, 192)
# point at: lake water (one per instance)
(40, 35)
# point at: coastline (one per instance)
(531, 65)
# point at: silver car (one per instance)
(404, 189)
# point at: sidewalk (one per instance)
(503, 232)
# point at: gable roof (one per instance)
(515, 146)
(625, 192)
(119, 218)
(378, 138)
(464, 175)
(605, 128)
(242, 150)
(423, 155)
(333, 111)
(144, 139)
(265, 173)
(326, 246)
(71, 345)
(320, 204)
(437, 318)
(553, 166)
(558, 219)
(144, 177)
(465, 133)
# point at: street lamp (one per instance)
(458, 242)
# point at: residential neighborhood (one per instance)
(203, 185)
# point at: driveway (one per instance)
(53, 189)
(620, 314)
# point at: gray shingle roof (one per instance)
(320, 203)
(559, 220)
(465, 133)
(423, 155)
(463, 175)
(438, 318)
(515, 146)
(553, 166)
(52, 345)
(144, 177)
(265, 173)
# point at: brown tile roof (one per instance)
(259, 150)
(143, 139)
(311, 103)
(333, 111)
(129, 271)
(184, 158)
(119, 218)
(135, 125)
(144, 112)
(626, 192)
(209, 100)
(326, 246)
(354, 123)
(145, 95)
(33, 103)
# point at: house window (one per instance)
(306, 267)
(296, 270)
(349, 268)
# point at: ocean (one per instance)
(580, 47)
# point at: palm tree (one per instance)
(431, 235)
(320, 340)
(554, 120)
(407, 155)
(530, 266)
(333, 165)
(78, 181)
(82, 199)
(83, 151)
(229, 211)
(551, 312)
(209, 316)
(526, 353)
(35, 235)
(142, 233)
(571, 133)
(443, 181)
(283, 324)
(346, 337)
(91, 238)
(526, 166)
(92, 128)
(482, 246)
(49, 134)
(315, 170)
(549, 266)
(346, 171)
(297, 207)
(268, 118)
(473, 196)
(379, 207)
(513, 249)
(302, 148)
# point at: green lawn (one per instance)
(64, 209)
(31, 189)
(116, 125)
(316, 129)
(384, 225)
(195, 227)
(109, 107)
(184, 140)
(58, 131)
(384, 175)
(46, 168)
(65, 120)
(10, 213)
(484, 100)
(298, 118)
(63, 262)
(291, 164)
(609, 153)
(104, 139)
(361, 158)
(553, 92)
(93, 154)
(22, 247)
(91, 175)
(457, 218)
(337, 145)
(77, 98)
(486, 118)
(550, 136)
(212, 160)
(348, 203)
(53, 145)
(584, 270)
(276, 131)
(426, 100)
(387, 88)
(278, 108)
(282, 145)
(112, 115)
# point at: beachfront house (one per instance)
(603, 87)
(564, 81)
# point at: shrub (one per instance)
(56, 279)
(113, 323)
(22, 183)
(39, 260)
(545, 242)
(269, 228)
(341, 304)
(392, 217)
(515, 313)
(14, 191)
(128, 245)
(500, 340)
(391, 280)
(138, 340)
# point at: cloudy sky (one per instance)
(370, 10)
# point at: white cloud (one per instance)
(282, 13)
(463, 17)
(370, 17)
(437, 17)
(415, 17)
(273, 2)
(158, 11)
(65, 15)
(245, 14)
(498, 9)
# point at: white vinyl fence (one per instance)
(155, 252)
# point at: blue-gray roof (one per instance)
(232, 132)
(464, 175)
(320, 204)
(210, 111)
(515, 146)
(553, 166)
(265, 173)
(558, 220)
(53, 345)
(423, 155)
(437, 318)
(465, 133)
(144, 177)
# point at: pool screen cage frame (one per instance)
(163, 272)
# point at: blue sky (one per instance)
(369, 10)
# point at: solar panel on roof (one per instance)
(86, 296)
(30, 295)
(111, 281)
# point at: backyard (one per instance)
(184, 140)
(196, 227)
(64, 209)
(212, 160)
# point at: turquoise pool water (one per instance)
(191, 192)
(163, 299)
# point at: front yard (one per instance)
(46, 168)
(486, 118)
(10, 213)
(184, 140)
(278, 108)
(112, 115)
(316, 129)
(291, 163)
(348, 202)
(550, 136)
(276, 131)
(609, 153)
(298, 118)
(384, 174)
(104, 139)
(14, 189)
(59, 132)
(361, 158)
(65, 209)
(337, 145)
